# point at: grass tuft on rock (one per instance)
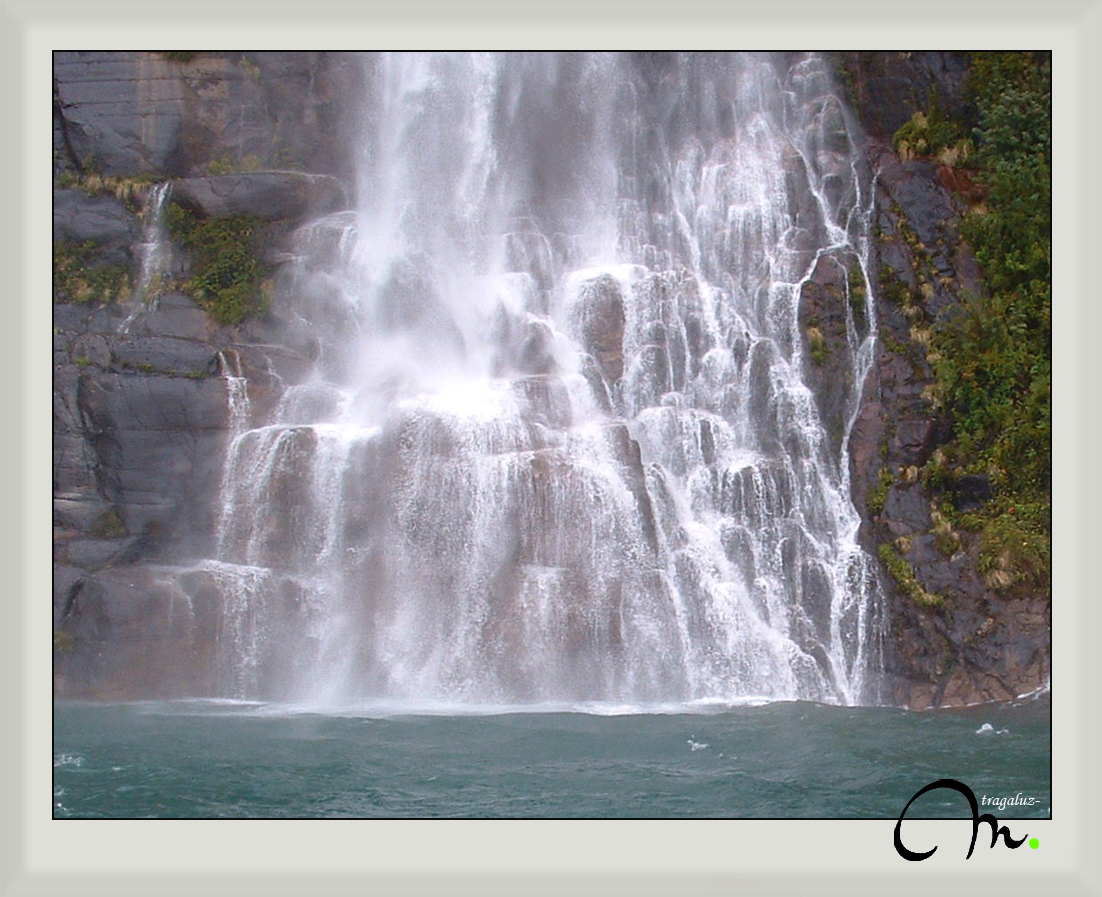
(82, 278)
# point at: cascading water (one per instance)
(155, 249)
(557, 446)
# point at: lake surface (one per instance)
(215, 759)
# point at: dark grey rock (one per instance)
(907, 511)
(77, 511)
(156, 402)
(67, 583)
(123, 113)
(91, 554)
(888, 88)
(971, 492)
(913, 437)
(174, 315)
(102, 220)
(135, 633)
(917, 190)
(90, 349)
(165, 355)
(823, 306)
(271, 195)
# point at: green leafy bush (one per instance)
(227, 274)
(932, 133)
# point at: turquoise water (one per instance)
(783, 760)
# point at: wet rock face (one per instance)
(142, 414)
(827, 301)
(141, 423)
(138, 424)
(886, 89)
(982, 650)
(126, 113)
(600, 321)
(102, 220)
(979, 644)
(270, 195)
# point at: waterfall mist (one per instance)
(557, 444)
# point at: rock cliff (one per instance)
(957, 636)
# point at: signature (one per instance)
(953, 784)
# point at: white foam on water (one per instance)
(68, 760)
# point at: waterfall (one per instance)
(558, 445)
(155, 249)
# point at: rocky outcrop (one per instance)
(833, 295)
(142, 413)
(174, 115)
(104, 221)
(143, 400)
(886, 89)
(270, 195)
(956, 637)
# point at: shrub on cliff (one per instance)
(995, 367)
(227, 274)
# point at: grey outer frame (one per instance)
(39, 855)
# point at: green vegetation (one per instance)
(855, 287)
(816, 344)
(228, 277)
(879, 495)
(904, 574)
(179, 55)
(892, 288)
(63, 642)
(992, 358)
(108, 525)
(144, 366)
(946, 539)
(931, 133)
(226, 165)
(80, 277)
(125, 189)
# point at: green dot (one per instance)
(1034, 843)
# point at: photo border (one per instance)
(39, 855)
